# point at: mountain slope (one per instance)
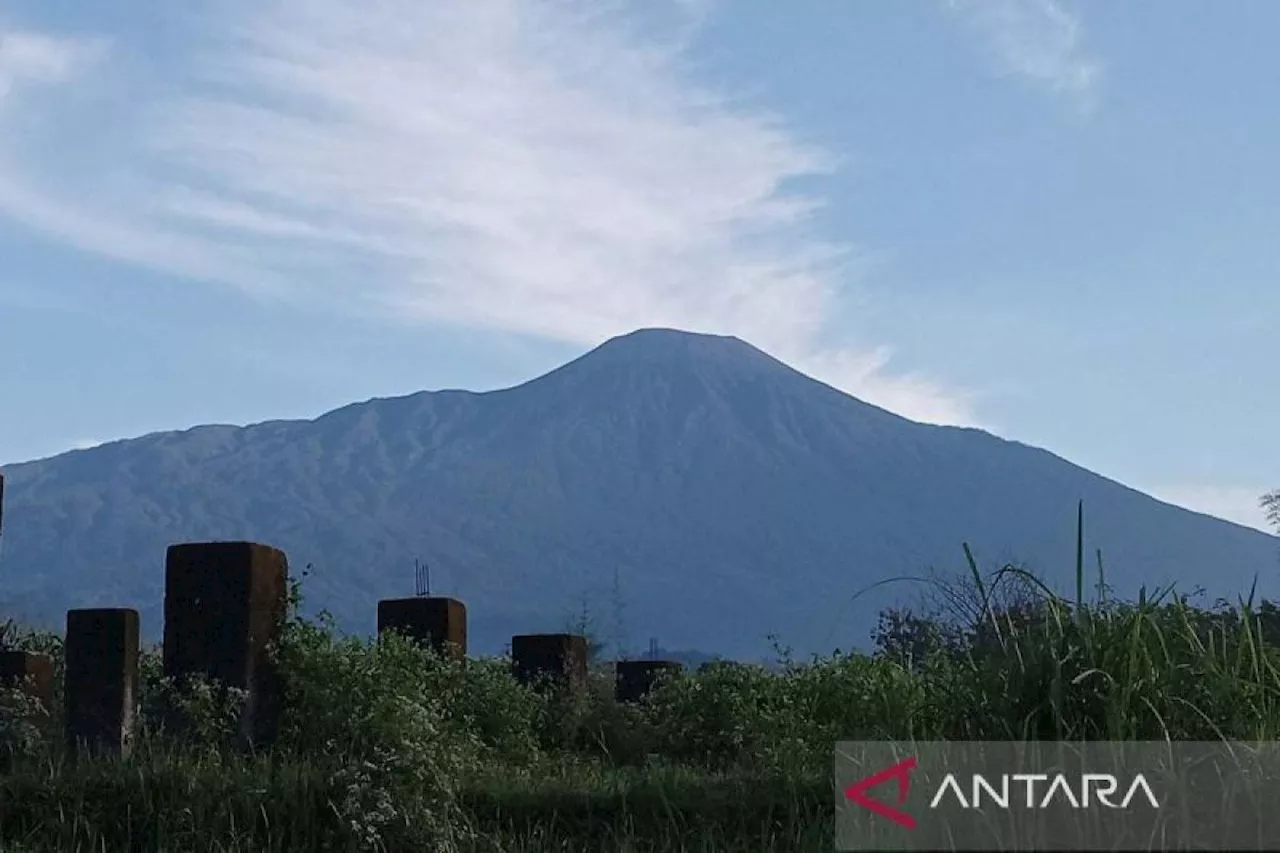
(732, 496)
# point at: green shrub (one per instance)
(368, 711)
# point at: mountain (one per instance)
(730, 496)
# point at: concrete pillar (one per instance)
(558, 658)
(224, 604)
(101, 687)
(636, 678)
(439, 623)
(32, 673)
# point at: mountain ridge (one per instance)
(724, 486)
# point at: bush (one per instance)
(369, 712)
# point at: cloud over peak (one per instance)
(547, 168)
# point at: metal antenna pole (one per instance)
(422, 578)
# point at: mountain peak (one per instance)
(675, 348)
(653, 360)
(658, 342)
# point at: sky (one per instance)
(1053, 220)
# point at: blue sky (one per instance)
(1051, 219)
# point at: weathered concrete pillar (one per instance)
(101, 687)
(224, 604)
(30, 672)
(440, 623)
(558, 658)
(636, 678)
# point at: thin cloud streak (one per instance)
(28, 57)
(538, 168)
(1039, 41)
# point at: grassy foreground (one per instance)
(387, 747)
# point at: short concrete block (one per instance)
(437, 622)
(30, 672)
(101, 689)
(224, 604)
(636, 678)
(557, 658)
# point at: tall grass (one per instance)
(386, 746)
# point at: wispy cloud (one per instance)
(35, 57)
(1038, 40)
(548, 168)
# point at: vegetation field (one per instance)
(386, 746)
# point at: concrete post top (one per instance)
(106, 611)
(125, 617)
(548, 637)
(220, 546)
(423, 598)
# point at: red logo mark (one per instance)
(900, 771)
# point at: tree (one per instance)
(1271, 504)
(908, 638)
(584, 624)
